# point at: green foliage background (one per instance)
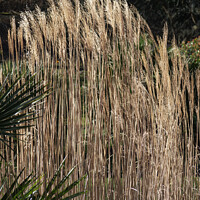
(182, 17)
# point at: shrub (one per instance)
(191, 49)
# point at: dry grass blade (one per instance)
(124, 109)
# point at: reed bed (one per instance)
(125, 115)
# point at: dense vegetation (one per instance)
(124, 107)
(182, 17)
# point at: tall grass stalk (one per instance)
(129, 117)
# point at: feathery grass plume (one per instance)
(123, 108)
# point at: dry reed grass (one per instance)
(123, 114)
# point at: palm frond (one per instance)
(14, 102)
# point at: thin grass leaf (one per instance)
(17, 94)
(19, 99)
(70, 187)
(74, 195)
(22, 187)
(3, 85)
(53, 179)
(2, 186)
(60, 184)
(9, 90)
(32, 190)
(8, 193)
(5, 142)
(18, 121)
(15, 128)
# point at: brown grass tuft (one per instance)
(128, 116)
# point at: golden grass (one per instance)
(123, 114)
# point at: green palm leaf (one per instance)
(15, 98)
